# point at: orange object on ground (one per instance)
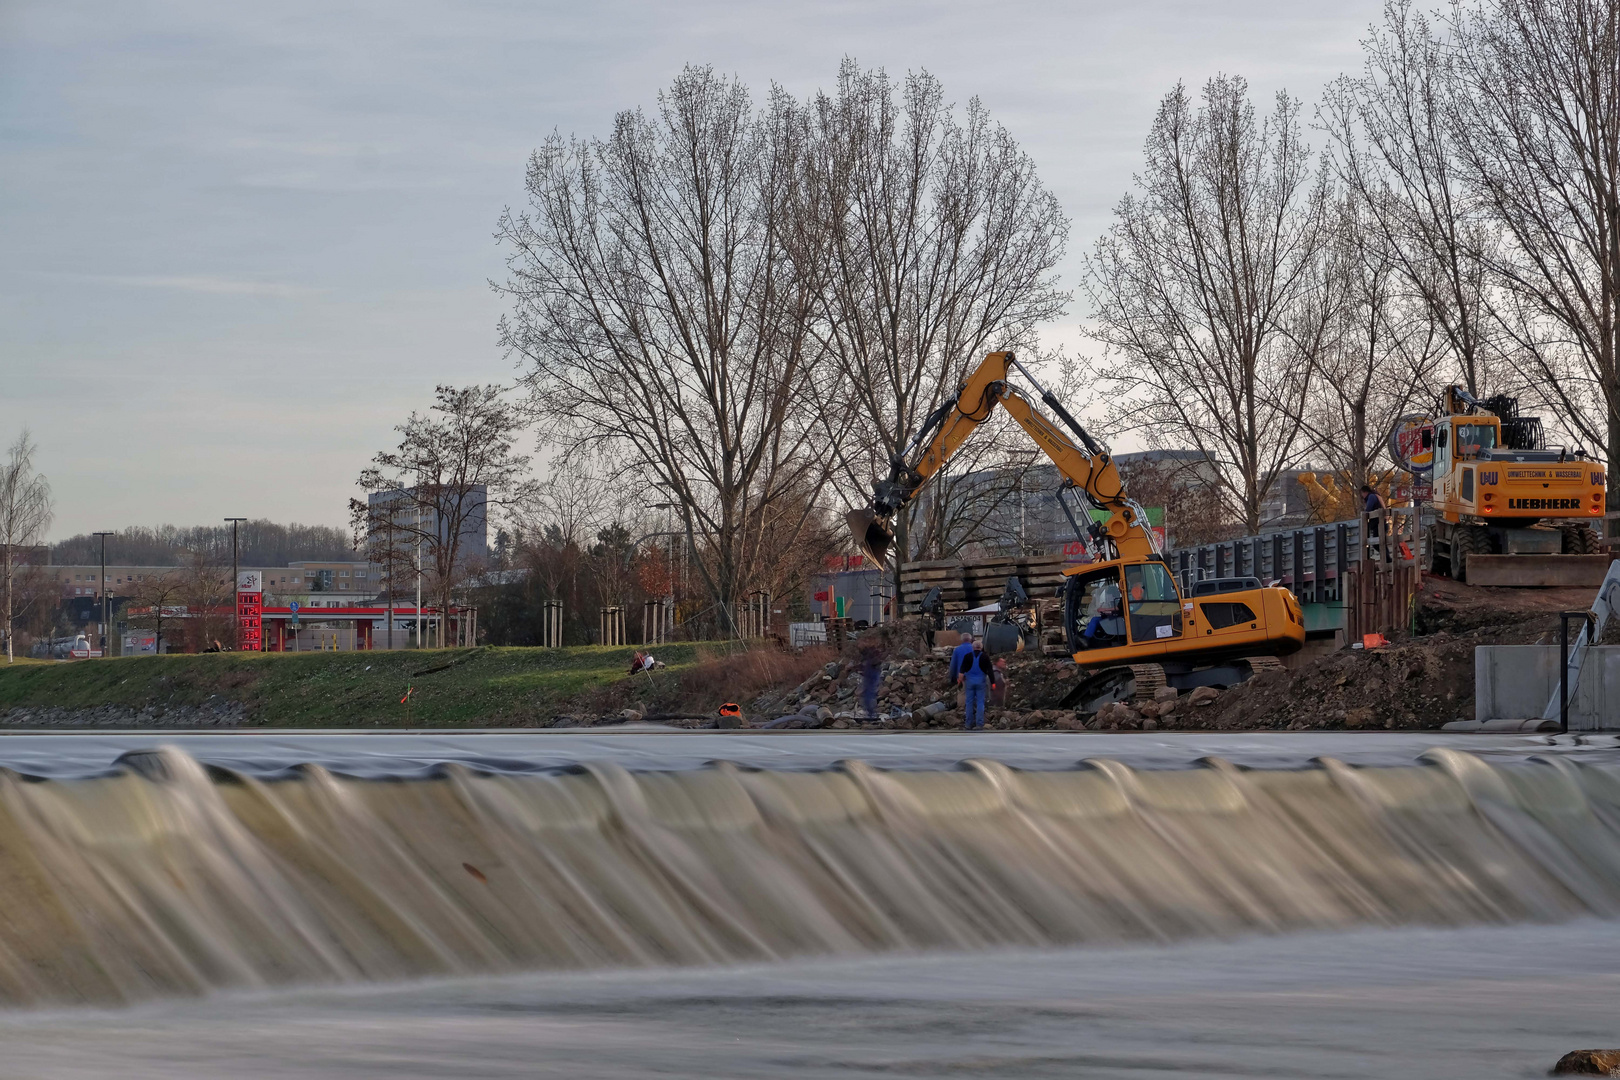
(1373, 641)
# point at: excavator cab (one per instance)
(1153, 602)
(1118, 606)
(1095, 609)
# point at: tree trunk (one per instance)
(901, 552)
(9, 573)
(1610, 503)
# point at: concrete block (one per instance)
(1515, 682)
(1538, 571)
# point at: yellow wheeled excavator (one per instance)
(1508, 510)
(1125, 619)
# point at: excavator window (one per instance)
(1101, 615)
(1472, 438)
(1155, 606)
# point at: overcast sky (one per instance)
(240, 241)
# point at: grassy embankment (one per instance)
(453, 687)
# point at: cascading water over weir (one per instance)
(169, 877)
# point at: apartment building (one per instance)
(403, 508)
(312, 584)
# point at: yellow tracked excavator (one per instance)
(1124, 616)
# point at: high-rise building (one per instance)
(417, 516)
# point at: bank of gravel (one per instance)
(186, 717)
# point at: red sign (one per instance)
(1406, 443)
(1076, 551)
(250, 621)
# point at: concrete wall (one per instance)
(1513, 682)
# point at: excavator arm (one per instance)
(1084, 463)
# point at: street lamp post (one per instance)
(669, 524)
(106, 618)
(236, 620)
(388, 576)
(417, 544)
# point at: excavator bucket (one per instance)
(872, 534)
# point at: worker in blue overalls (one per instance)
(976, 677)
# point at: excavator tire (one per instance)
(1466, 541)
(1580, 540)
(1434, 563)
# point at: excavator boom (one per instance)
(1083, 462)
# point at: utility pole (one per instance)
(236, 620)
(417, 544)
(388, 576)
(106, 618)
(668, 616)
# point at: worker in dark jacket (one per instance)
(958, 657)
(1371, 503)
(871, 675)
(976, 677)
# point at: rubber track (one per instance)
(1259, 665)
(1149, 678)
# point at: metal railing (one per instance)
(1314, 562)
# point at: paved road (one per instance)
(396, 753)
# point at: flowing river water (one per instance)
(1036, 906)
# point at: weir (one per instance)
(168, 877)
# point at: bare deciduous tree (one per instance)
(25, 514)
(209, 597)
(452, 466)
(657, 311)
(1392, 148)
(1534, 109)
(936, 243)
(1200, 288)
(262, 543)
(153, 601)
(1380, 351)
(1194, 512)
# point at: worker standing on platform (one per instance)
(1371, 503)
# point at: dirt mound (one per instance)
(1416, 681)
(1444, 605)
